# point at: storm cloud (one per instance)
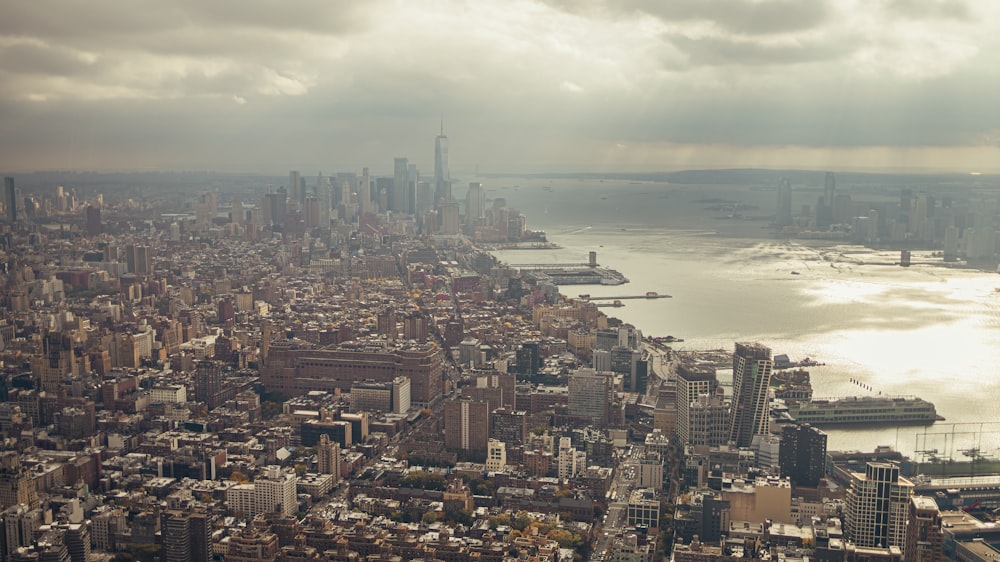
(524, 85)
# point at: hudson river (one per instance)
(926, 330)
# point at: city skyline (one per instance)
(534, 86)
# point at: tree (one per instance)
(565, 538)
(270, 410)
(462, 517)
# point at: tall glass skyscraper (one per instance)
(751, 377)
(442, 177)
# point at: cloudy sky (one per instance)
(524, 85)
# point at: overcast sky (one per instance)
(555, 85)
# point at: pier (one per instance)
(532, 266)
(589, 273)
(627, 297)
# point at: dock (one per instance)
(627, 297)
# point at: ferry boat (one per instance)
(869, 410)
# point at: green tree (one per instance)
(432, 517)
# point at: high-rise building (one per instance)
(449, 219)
(625, 361)
(824, 206)
(829, 188)
(924, 535)
(802, 456)
(466, 425)
(236, 213)
(475, 203)
(571, 462)
(509, 426)
(381, 396)
(496, 455)
(176, 530)
(877, 504)
(77, 538)
(10, 199)
(590, 395)
(107, 526)
(398, 196)
(328, 456)
(277, 204)
(18, 526)
(751, 377)
(274, 490)
(208, 383)
(442, 177)
(691, 383)
(506, 384)
(783, 213)
(55, 364)
(708, 420)
(412, 183)
(295, 193)
(94, 226)
(365, 193)
(324, 197)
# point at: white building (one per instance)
(168, 394)
(274, 489)
(496, 455)
(877, 505)
(570, 462)
(643, 509)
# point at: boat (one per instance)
(868, 410)
(795, 273)
(651, 294)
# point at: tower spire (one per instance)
(442, 123)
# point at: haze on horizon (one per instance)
(524, 85)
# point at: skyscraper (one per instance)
(328, 456)
(442, 177)
(274, 490)
(802, 455)
(877, 503)
(475, 204)
(94, 220)
(466, 425)
(186, 536)
(365, 193)
(399, 197)
(10, 199)
(708, 419)
(924, 536)
(294, 192)
(829, 187)
(16, 484)
(824, 206)
(590, 395)
(783, 213)
(208, 383)
(325, 198)
(412, 183)
(751, 377)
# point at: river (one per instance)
(927, 330)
